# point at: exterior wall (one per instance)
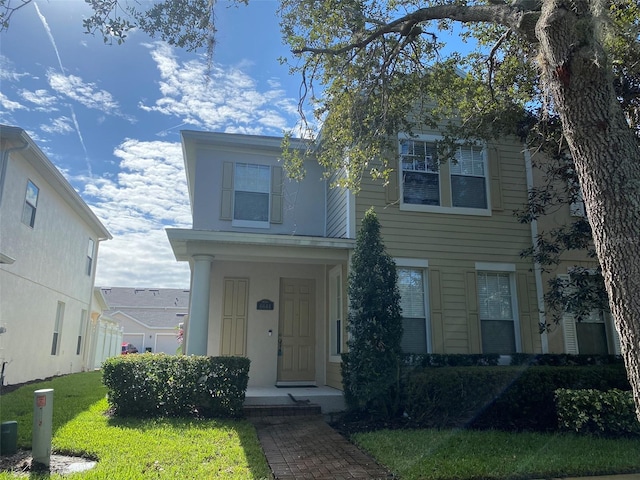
(264, 283)
(337, 210)
(453, 244)
(50, 266)
(559, 217)
(159, 340)
(303, 206)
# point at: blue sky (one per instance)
(109, 117)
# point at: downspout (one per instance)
(537, 268)
(4, 159)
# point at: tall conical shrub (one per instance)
(371, 368)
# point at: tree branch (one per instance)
(511, 16)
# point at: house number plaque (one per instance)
(265, 304)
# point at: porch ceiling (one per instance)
(255, 247)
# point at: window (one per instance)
(83, 326)
(420, 172)
(30, 204)
(413, 300)
(57, 329)
(468, 183)
(90, 253)
(459, 186)
(336, 309)
(252, 184)
(497, 312)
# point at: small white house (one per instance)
(150, 318)
(49, 241)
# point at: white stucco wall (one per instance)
(49, 267)
(264, 283)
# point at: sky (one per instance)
(109, 117)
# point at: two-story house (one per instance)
(270, 256)
(49, 241)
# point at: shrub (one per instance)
(371, 369)
(610, 413)
(505, 398)
(156, 385)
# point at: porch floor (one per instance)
(330, 400)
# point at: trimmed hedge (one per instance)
(611, 413)
(504, 398)
(159, 385)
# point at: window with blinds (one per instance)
(420, 172)
(411, 284)
(252, 184)
(468, 181)
(497, 316)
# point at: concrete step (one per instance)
(281, 410)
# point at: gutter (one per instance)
(537, 268)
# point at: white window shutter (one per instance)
(616, 337)
(570, 335)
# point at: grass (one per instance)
(128, 448)
(474, 455)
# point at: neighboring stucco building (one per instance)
(49, 242)
(149, 317)
(270, 256)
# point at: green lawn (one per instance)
(228, 449)
(131, 448)
(475, 455)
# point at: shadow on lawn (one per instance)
(72, 395)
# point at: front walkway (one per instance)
(306, 447)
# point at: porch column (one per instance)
(198, 325)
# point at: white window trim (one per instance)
(509, 268)
(421, 264)
(333, 273)
(250, 223)
(410, 207)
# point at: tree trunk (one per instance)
(606, 155)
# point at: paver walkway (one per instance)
(305, 447)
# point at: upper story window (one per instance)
(252, 184)
(420, 173)
(90, 254)
(457, 186)
(30, 204)
(468, 178)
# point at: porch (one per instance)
(272, 400)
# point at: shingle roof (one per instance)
(153, 307)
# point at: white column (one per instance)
(198, 324)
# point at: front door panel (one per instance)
(296, 331)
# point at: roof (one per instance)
(39, 161)
(152, 307)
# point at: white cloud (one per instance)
(148, 195)
(225, 99)
(44, 101)
(10, 105)
(88, 94)
(60, 125)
